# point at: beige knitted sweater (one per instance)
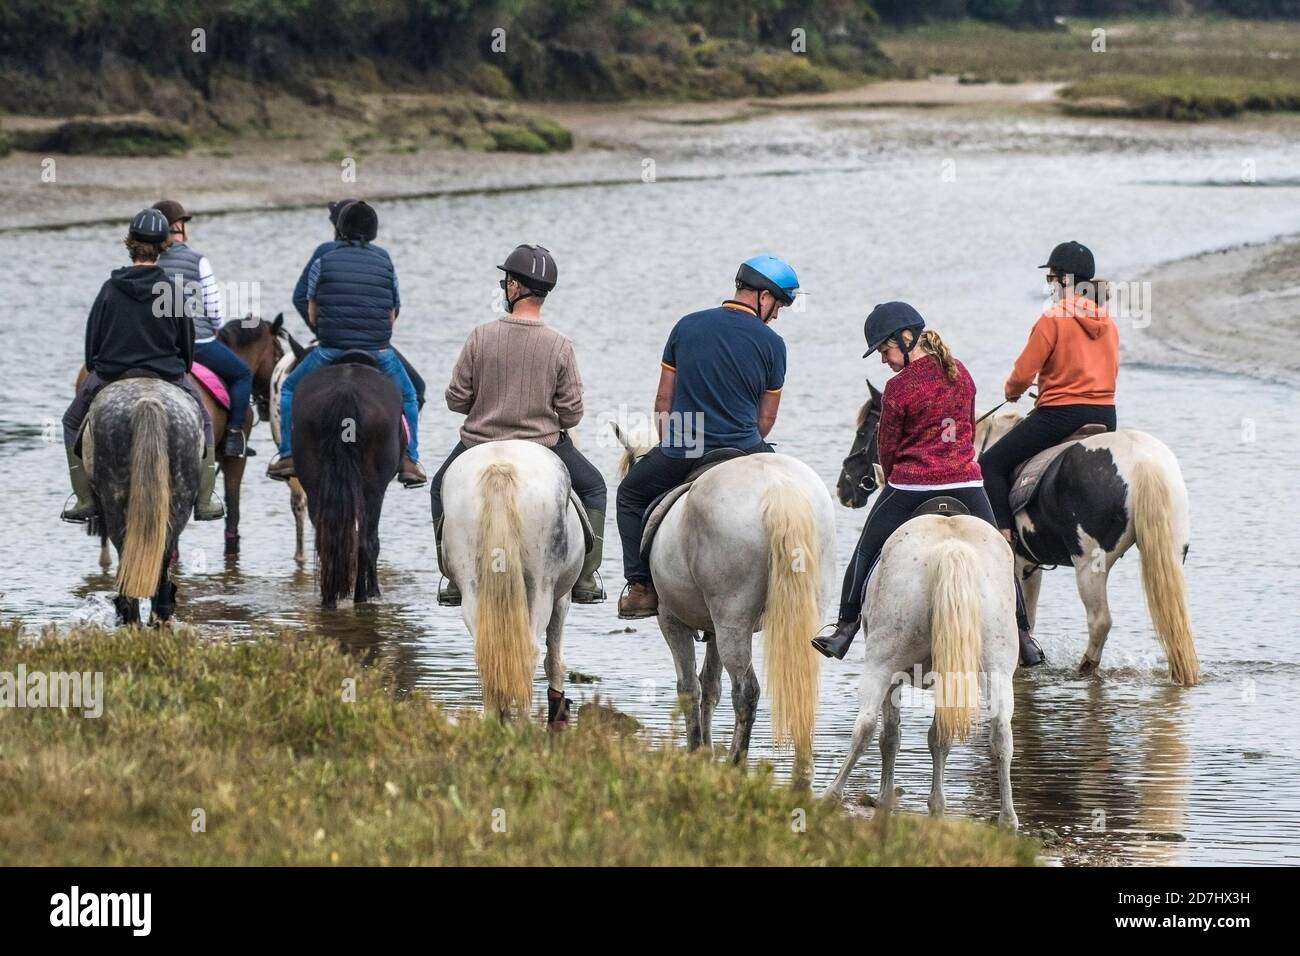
(516, 378)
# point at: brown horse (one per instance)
(260, 344)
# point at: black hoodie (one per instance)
(123, 332)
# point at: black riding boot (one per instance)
(1031, 655)
(836, 644)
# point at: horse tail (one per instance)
(341, 505)
(149, 502)
(791, 614)
(1162, 573)
(955, 643)
(504, 649)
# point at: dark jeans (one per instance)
(649, 478)
(76, 413)
(588, 482)
(1039, 430)
(232, 370)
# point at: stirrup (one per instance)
(602, 596)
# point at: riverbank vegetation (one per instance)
(284, 750)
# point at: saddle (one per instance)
(943, 505)
(1028, 476)
(588, 535)
(660, 507)
(212, 384)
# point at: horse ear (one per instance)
(875, 392)
(278, 324)
(298, 350)
(620, 435)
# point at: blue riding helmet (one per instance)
(769, 274)
(886, 321)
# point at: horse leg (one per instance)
(164, 599)
(875, 685)
(681, 641)
(105, 553)
(557, 713)
(891, 719)
(298, 504)
(938, 758)
(367, 585)
(710, 687)
(1002, 703)
(1092, 590)
(1030, 586)
(232, 474)
(736, 650)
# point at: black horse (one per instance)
(142, 446)
(858, 474)
(347, 443)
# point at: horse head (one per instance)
(859, 475)
(992, 425)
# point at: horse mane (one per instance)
(240, 333)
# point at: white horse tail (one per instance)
(149, 504)
(1162, 572)
(504, 649)
(955, 643)
(791, 614)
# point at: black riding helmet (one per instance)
(533, 267)
(336, 207)
(149, 225)
(885, 322)
(358, 220)
(1071, 258)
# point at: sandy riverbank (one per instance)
(1236, 310)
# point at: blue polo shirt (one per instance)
(725, 359)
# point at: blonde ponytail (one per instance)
(934, 344)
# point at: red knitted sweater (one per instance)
(927, 426)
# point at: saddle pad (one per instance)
(1026, 479)
(588, 535)
(212, 382)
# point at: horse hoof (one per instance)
(1087, 668)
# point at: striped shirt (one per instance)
(516, 378)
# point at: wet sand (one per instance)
(1235, 310)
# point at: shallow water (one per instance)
(1123, 767)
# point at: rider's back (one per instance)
(124, 333)
(1074, 349)
(355, 297)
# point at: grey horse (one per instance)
(142, 446)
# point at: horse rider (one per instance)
(192, 275)
(518, 378)
(300, 294)
(720, 384)
(352, 302)
(926, 444)
(1073, 350)
(126, 332)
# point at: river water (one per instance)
(950, 211)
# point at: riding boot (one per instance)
(557, 709)
(235, 445)
(1031, 655)
(836, 644)
(448, 593)
(83, 509)
(208, 507)
(588, 589)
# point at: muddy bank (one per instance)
(1234, 310)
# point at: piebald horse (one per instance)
(514, 545)
(142, 447)
(1108, 493)
(751, 546)
(941, 602)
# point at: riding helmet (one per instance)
(769, 274)
(533, 266)
(1071, 258)
(336, 207)
(358, 220)
(888, 319)
(173, 210)
(149, 225)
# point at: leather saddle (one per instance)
(660, 507)
(1028, 476)
(356, 357)
(943, 505)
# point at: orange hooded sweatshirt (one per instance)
(1074, 351)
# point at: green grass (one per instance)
(259, 737)
(1170, 67)
(107, 138)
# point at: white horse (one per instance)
(942, 603)
(1108, 493)
(750, 546)
(514, 545)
